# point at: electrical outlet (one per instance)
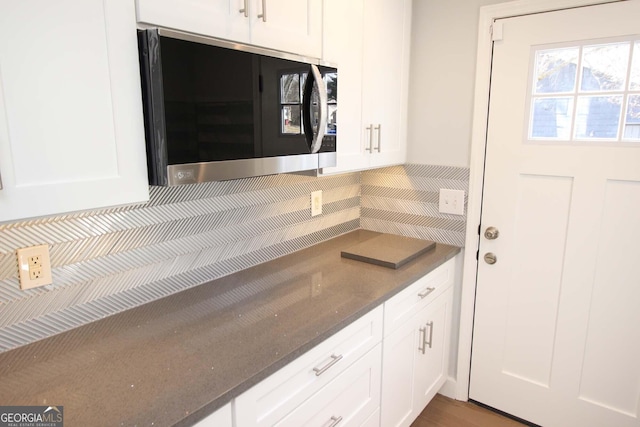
(34, 266)
(316, 203)
(451, 201)
(35, 261)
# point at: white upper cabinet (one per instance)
(71, 126)
(385, 79)
(342, 45)
(290, 26)
(227, 19)
(370, 42)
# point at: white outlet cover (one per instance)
(316, 203)
(451, 201)
(44, 267)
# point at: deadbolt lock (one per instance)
(490, 258)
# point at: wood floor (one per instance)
(445, 412)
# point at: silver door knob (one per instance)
(490, 258)
(491, 233)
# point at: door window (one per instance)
(587, 92)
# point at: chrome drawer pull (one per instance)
(334, 359)
(335, 422)
(426, 292)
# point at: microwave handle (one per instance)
(315, 76)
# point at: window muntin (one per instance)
(589, 92)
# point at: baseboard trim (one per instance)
(449, 388)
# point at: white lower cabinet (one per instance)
(307, 387)
(415, 362)
(348, 400)
(361, 376)
(223, 417)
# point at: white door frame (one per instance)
(488, 14)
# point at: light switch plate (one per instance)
(316, 203)
(34, 266)
(451, 201)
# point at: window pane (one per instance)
(551, 118)
(290, 89)
(632, 124)
(291, 119)
(604, 67)
(635, 68)
(556, 70)
(598, 117)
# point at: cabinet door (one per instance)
(400, 358)
(291, 26)
(343, 22)
(71, 128)
(415, 364)
(221, 418)
(431, 369)
(227, 19)
(385, 78)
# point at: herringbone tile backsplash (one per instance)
(106, 261)
(404, 200)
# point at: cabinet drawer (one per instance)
(349, 400)
(417, 296)
(272, 399)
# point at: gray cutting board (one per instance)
(388, 250)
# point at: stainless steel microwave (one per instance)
(216, 110)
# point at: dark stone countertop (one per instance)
(178, 359)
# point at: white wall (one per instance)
(441, 87)
(443, 57)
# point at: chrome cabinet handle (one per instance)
(430, 341)
(245, 9)
(423, 337)
(336, 421)
(370, 129)
(263, 15)
(426, 292)
(334, 359)
(378, 128)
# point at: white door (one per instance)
(556, 332)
